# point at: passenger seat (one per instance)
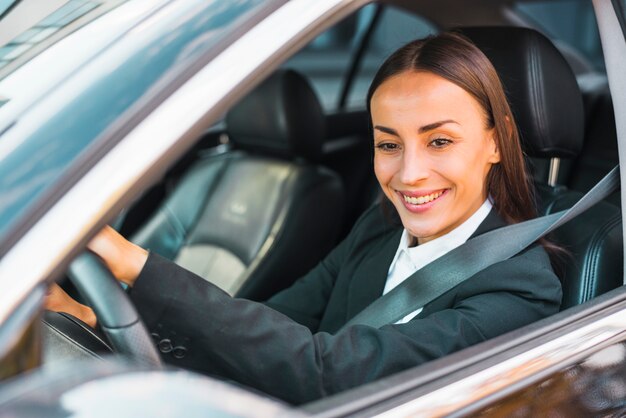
(254, 219)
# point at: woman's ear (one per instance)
(494, 156)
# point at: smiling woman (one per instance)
(446, 148)
(464, 141)
(433, 170)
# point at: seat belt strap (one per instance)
(473, 256)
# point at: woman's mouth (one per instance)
(420, 202)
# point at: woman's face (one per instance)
(432, 151)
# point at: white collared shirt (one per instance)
(410, 259)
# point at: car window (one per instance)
(53, 146)
(570, 24)
(327, 59)
(21, 35)
(395, 28)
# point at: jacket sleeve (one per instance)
(263, 348)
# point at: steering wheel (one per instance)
(116, 315)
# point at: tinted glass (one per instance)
(570, 24)
(395, 28)
(326, 60)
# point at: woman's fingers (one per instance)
(58, 300)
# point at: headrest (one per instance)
(541, 88)
(282, 117)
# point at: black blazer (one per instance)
(292, 346)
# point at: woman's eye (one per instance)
(387, 146)
(440, 142)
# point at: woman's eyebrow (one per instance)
(435, 125)
(421, 130)
(386, 130)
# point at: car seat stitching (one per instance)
(589, 277)
(536, 88)
(176, 223)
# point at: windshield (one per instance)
(42, 137)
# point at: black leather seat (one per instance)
(600, 153)
(547, 105)
(254, 219)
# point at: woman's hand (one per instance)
(122, 257)
(59, 301)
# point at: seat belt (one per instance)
(473, 256)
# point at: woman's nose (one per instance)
(414, 168)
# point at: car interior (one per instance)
(269, 190)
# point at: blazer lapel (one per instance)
(492, 221)
(370, 276)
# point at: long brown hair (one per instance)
(455, 58)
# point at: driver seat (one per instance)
(548, 107)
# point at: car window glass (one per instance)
(53, 147)
(571, 24)
(325, 61)
(26, 37)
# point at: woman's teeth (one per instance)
(422, 199)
